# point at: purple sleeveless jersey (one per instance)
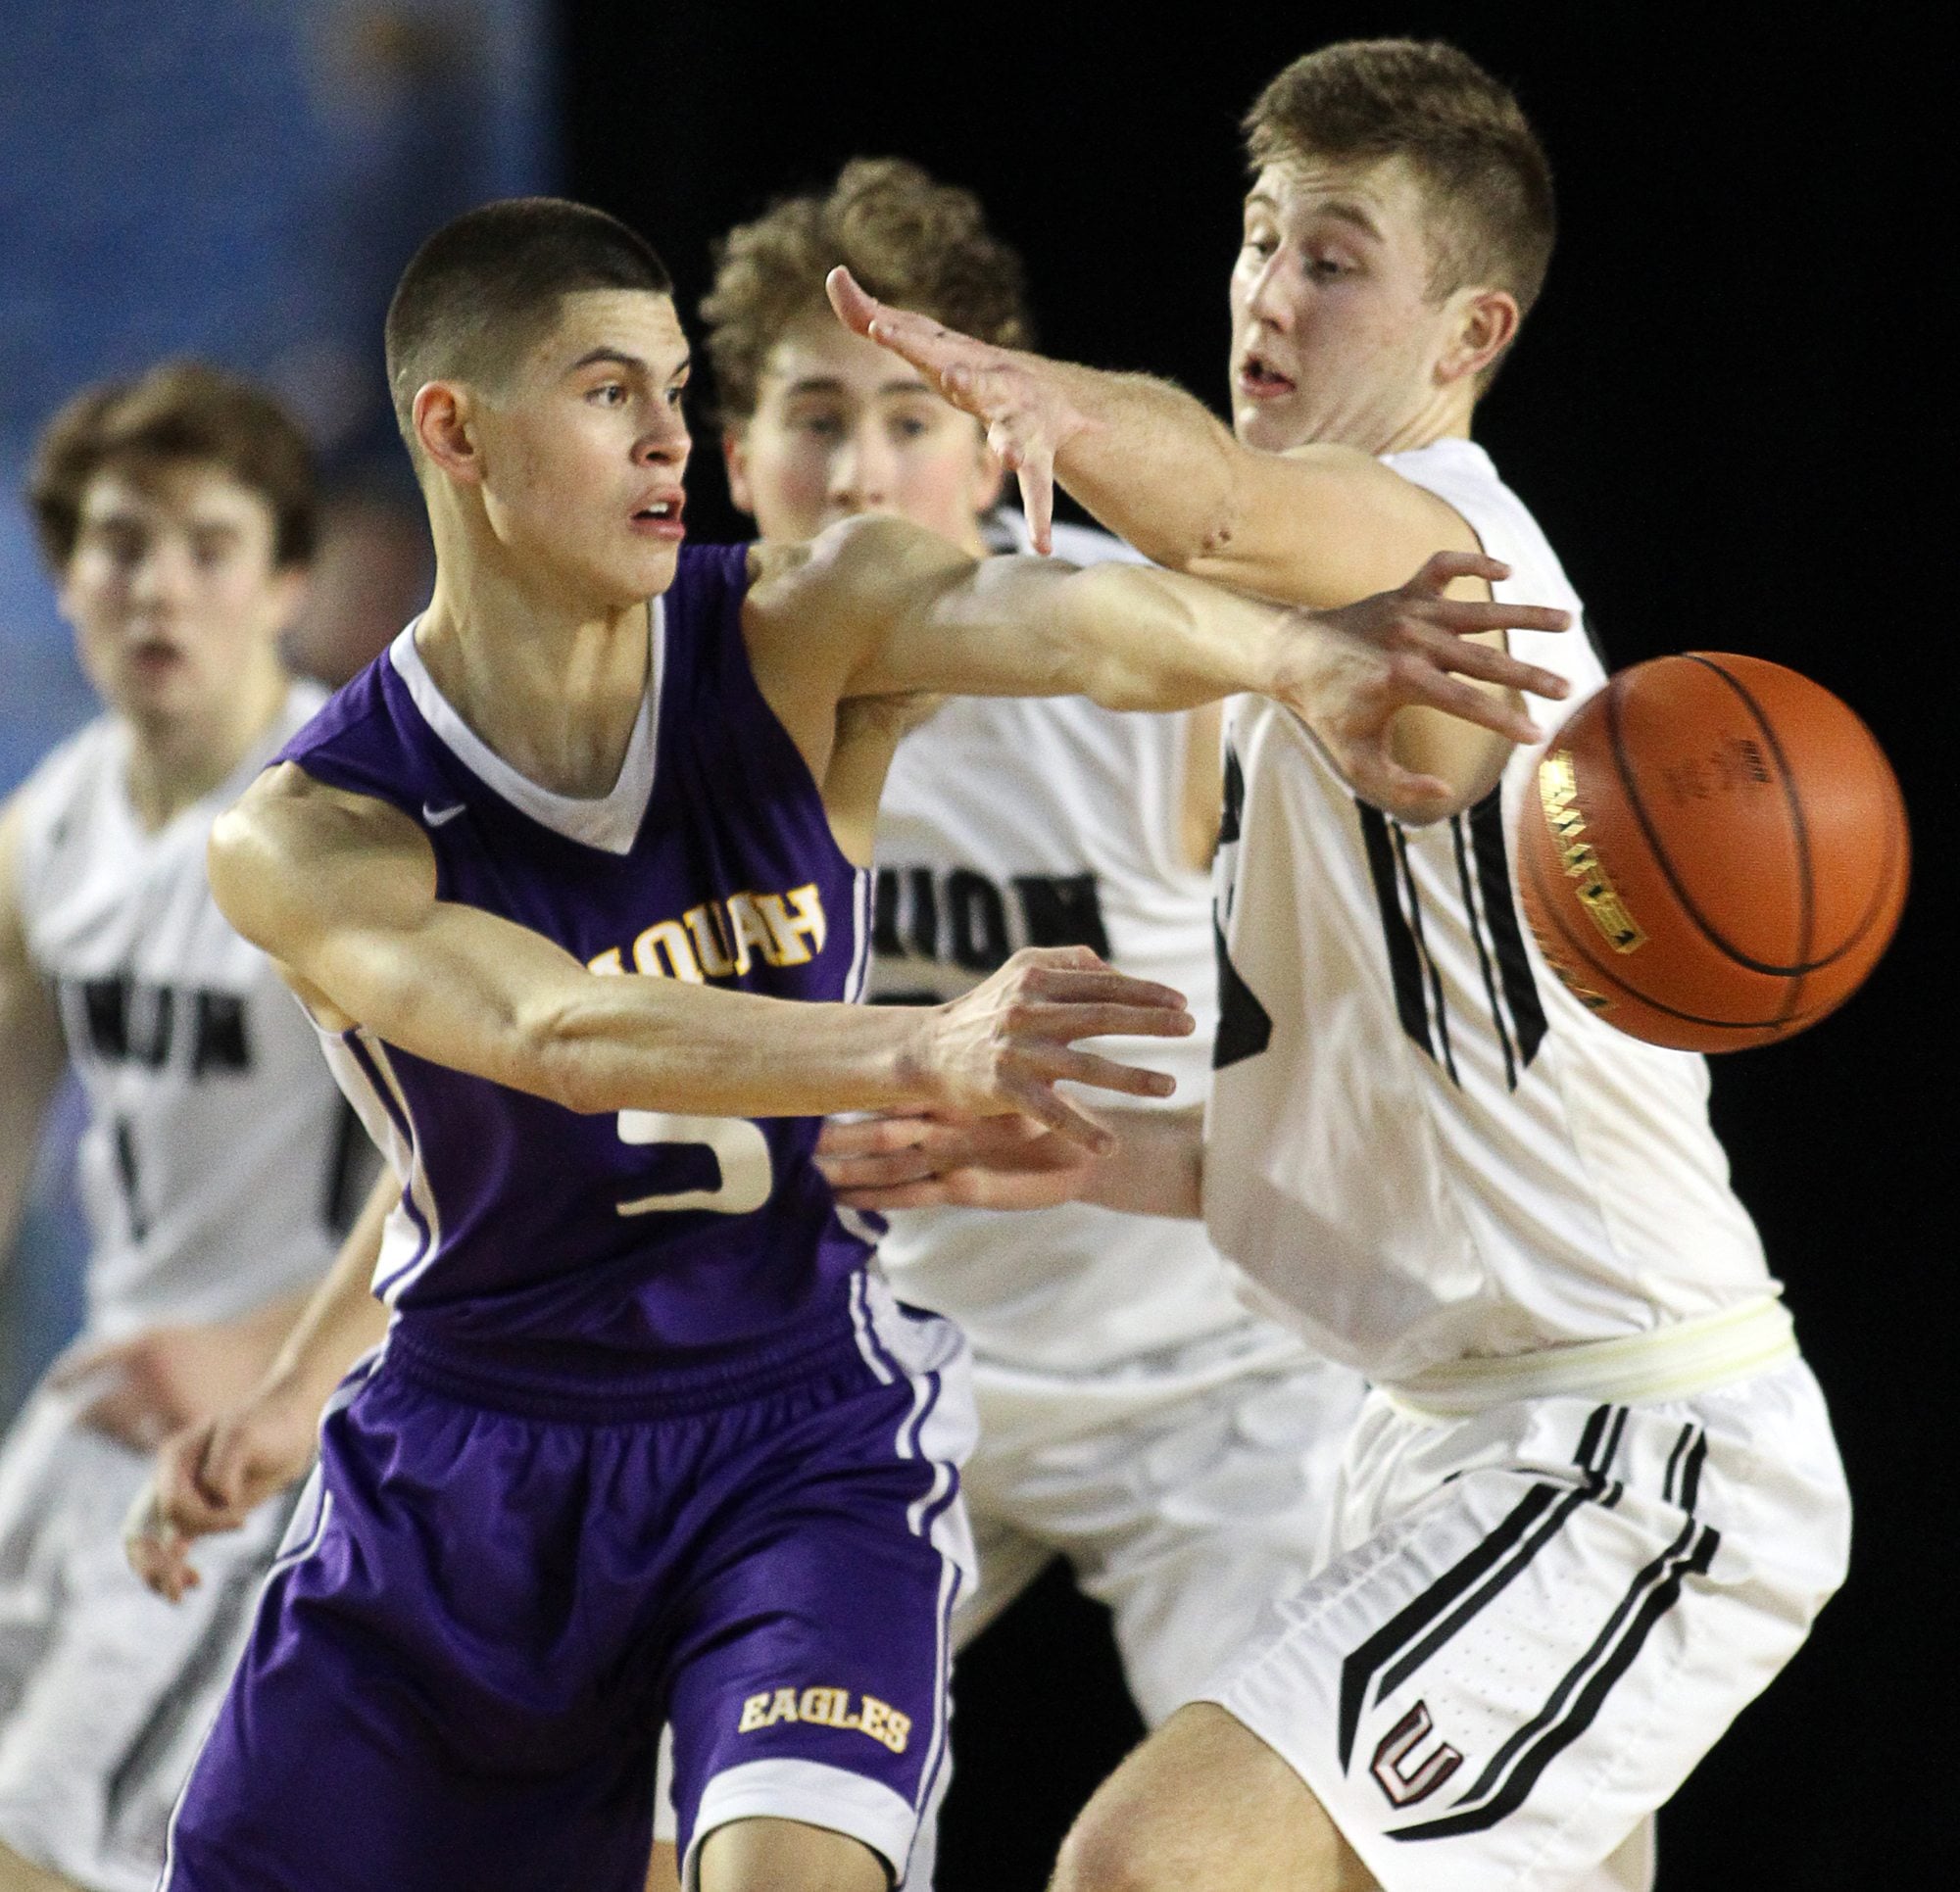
(583, 1243)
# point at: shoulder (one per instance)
(861, 568)
(293, 845)
(60, 786)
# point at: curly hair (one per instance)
(180, 411)
(907, 238)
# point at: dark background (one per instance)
(1718, 412)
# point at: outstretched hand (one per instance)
(1362, 664)
(1027, 421)
(1002, 1048)
(918, 1161)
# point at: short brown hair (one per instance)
(1473, 152)
(179, 413)
(907, 238)
(487, 285)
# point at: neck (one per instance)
(175, 762)
(552, 684)
(1444, 415)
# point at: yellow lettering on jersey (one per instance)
(822, 1706)
(795, 918)
(710, 938)
(723, 938)
(663, 952)
(750, 930)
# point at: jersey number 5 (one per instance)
(740, 1148)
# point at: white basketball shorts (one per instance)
(1541, 1619)
(106, 1689)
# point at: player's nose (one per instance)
(1265, 298)
(859, 472)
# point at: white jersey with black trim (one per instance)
(1420, 1148)
(218, 1158)
(1008, 823)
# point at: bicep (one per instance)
(344, 900)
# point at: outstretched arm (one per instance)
(340, 890)
(1322, 525)
(1155, 1167)
(892, 609)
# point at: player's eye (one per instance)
(820, 427)
(910, 426)
(608, 394)
(1325, 268)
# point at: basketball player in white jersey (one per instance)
(1134, 1417)
(1592, 1503)
(177, 512)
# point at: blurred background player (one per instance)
(1134, 1417)
(177, 512)
(291, 157)
(1594, 1503)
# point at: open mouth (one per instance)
(661, 517)
(1262, 381)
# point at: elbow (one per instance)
(549, 1057)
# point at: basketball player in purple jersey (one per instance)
(647, 1438)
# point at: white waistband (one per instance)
(1670, 1363)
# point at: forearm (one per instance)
(660, 1045)
(340, 1320)
(1158, 1166)
(1125, 636)
(1150, 460)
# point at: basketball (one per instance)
(1715, 853)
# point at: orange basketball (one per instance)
(1714, 853)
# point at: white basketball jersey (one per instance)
(1009, 823)
(217, 1154)
(1420, 1146)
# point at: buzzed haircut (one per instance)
(482, 291)
(907, 238)
(180, 414)
(1485, 179)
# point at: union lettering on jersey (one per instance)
(641, 1232)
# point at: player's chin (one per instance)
(1269, 426)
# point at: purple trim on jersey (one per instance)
(733, 864)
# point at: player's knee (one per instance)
(1107, 1852)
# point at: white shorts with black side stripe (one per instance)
(1541, 1618)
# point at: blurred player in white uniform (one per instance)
(1594, 1503)
(177, 512)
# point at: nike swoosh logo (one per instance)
(435, 817)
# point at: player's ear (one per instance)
(442, 422)
(1486, 321)
(735, 458)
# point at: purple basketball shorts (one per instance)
(496, 1590)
